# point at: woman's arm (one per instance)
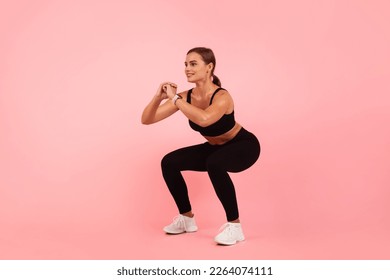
(155, 111)
(207, 116)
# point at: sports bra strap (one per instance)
(212, 97)
(189, 96)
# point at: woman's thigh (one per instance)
(189, 158)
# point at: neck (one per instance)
(205, 87)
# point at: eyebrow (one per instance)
(190, 61)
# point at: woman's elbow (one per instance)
(203, 122)
(145, 121)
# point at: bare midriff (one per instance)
(223, 138)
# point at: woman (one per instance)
(229, 147)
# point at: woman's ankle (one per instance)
(188, 214)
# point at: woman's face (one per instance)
(196, 69)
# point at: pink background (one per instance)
(80, 176)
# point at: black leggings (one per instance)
(234, 156)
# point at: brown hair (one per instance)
(208, 57)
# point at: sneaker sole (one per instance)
(180, 232)
(227, 243)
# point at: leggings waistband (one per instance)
(243, 134)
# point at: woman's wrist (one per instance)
(175, 98)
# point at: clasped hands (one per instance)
(170, 89)
(166, 90)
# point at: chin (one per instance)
(190, 80)
(193, 79)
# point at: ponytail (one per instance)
(216, 81)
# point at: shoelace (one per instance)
(227, 229)
(179, 221)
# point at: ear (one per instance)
(210, 66)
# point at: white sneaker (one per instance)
(230, 234)
(181, 224)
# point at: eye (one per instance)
(193, 64)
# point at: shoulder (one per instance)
(222, 91)
(222, 94)
(223, 99)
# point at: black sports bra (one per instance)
(223, 125)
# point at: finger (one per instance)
(164, 84)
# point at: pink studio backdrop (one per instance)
(80, 176)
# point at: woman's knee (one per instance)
(167, 161)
